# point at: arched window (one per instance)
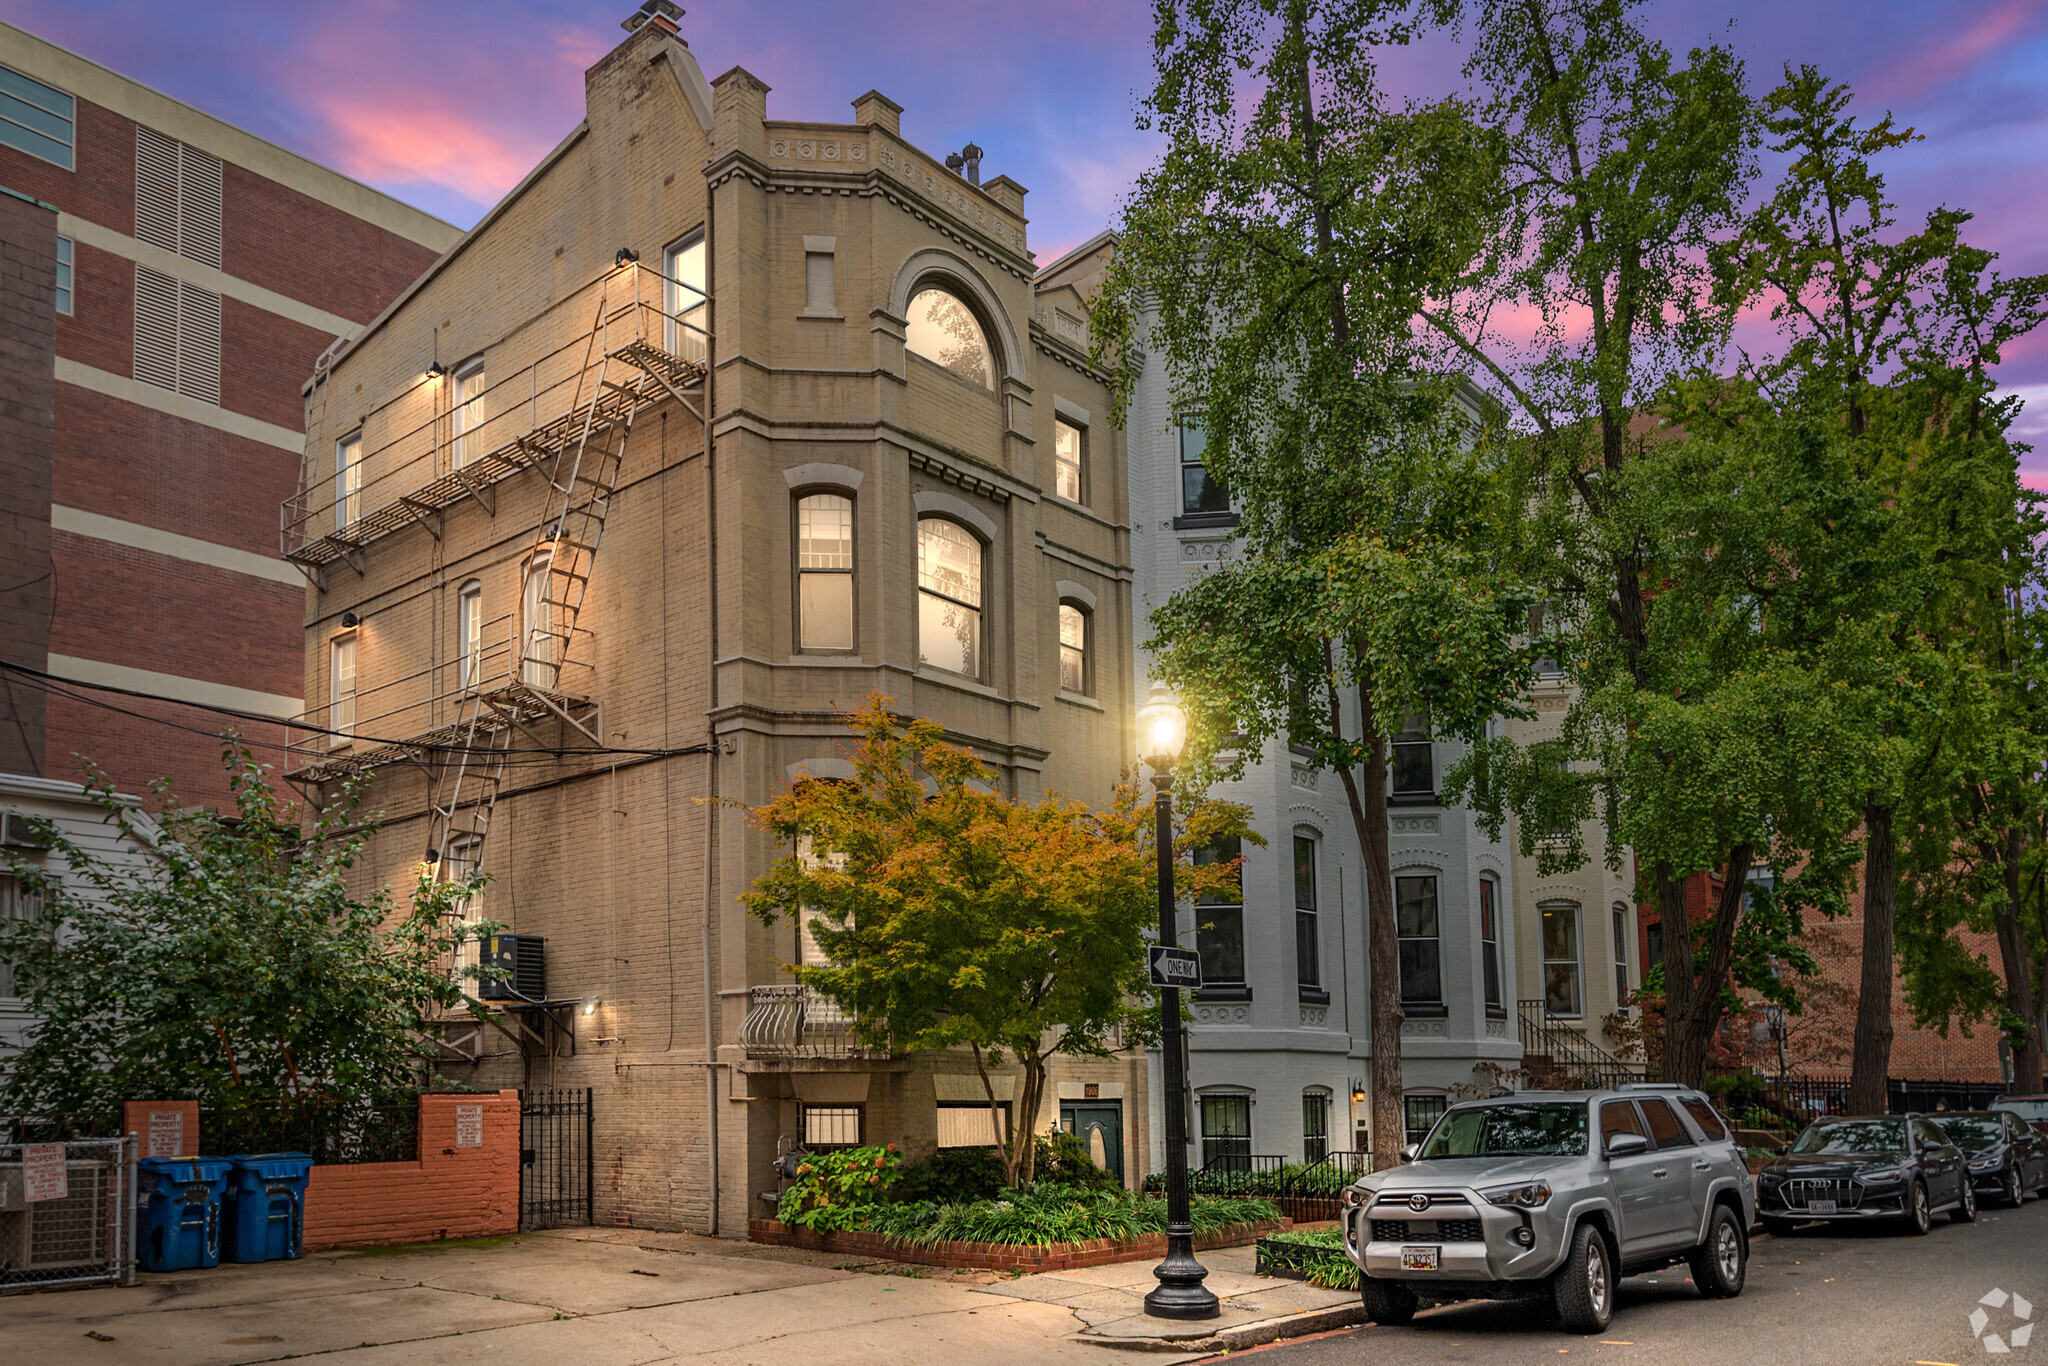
(1563, 990)
(824, 572)
(1315, 1124)
(469, 632)
(1074, 648)
(1308, 969)
(537, 625)
(467, 413)
(944, 330)
(948, 596)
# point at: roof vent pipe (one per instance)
(954, 163)
(972, 156)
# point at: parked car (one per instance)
(1555, 1194)
(2007, 1160)
(2033, 1109)
(1896, 1167)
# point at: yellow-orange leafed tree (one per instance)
(951, 916)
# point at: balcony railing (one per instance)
(796, 1022)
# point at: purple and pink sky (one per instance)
(448, 104)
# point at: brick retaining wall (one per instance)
(450, 1192)
(1002, 1256)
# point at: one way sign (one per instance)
(1175, 967)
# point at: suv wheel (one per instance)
(1721, 1263)
(1965, 1211)
(1584, 1290)
(1919, 1218)
(2010, 1191)
(1385, 1301)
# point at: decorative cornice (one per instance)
(956, 475)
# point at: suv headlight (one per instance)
(1530, 1196)
(1878, 1176)
(1349, 1196)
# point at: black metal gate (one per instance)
(556, 1168)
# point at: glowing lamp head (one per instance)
(588, 1005)
(1162, 730)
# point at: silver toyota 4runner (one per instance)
(1557, 1194)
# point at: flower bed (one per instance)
(1019, 1258)
(1313, 1255)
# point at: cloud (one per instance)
(1993, 28)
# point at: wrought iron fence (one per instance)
(1793, 1101)
(329, 1134)
(1304, 1191)
(557, 1162)
(67, 1213)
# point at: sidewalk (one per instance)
(609, 1297)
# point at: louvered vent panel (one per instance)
(156, 189)
(199, 207)
(199, 343)
(156, 328)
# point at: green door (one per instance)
(1100, 1127)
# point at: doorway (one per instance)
(1099, 1124)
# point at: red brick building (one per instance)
(169, 282)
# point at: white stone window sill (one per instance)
(1080, 700)
(944, 678)
(836, 317)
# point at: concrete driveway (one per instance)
(595, 1297)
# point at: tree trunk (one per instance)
(1689, 1027)
(1870, 1066)
(1366, 793)
(1675, 920)
(2019, 972)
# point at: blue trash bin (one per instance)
(179, 1211)
(266, 1206)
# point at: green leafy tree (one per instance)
(1276, 259)
(951, 916)
(225, 961)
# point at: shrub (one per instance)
(951, 1176)
(839, 1189)
(1317, 1255)
(1063, 1160)
(1050, 1213)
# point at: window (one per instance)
(341, 716)
(177, 197)
(945, 331)
(177, 335)
(1227, 1133)
(1664, 1124)
(348, 480)
(37, 119)
(684, 299)
(1219, 921)
(1543, 622)
(1489, 941)
(464, 856)
(1315, 1125)
(819, 296)
(15, 904)
(968, 1124)
(1561, 994)
(1414, 758)
(824, 572)
(467, 413)
(1308, 969)
(469, 633)
(64, 260)
(1301, 718)
(1618, 1117)
(833, 1126)
(1073, 649)
(1704, 1116)
(821, 1012)
(1619, 917)
(1415, 922)
(1198, 491)
(1067, 444)
(1420, 1114)
(538, 633)
(948, 596)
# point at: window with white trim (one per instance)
(65, 253)
(824, 572)
(1563, 989)
(1069, 444)
(348, 480)
(827, 1127)
(463, 857)
(1315, 1125)
(469, 633)
(1489, 941)
(949, 559)
(38, 119)
(1074, 649)
(1618, 920)
(341, 714)
(16, 903)
(1308, 966)
(1421, 948)
(466, 413)
(540, 640)
(945, 331)
(685, 301)
(1414, 755)
(1200, 491)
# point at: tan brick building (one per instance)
(567, 633)
(172, 279)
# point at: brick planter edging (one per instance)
(1018, 1257)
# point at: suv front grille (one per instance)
(1803, 1192)
(1435, 1230)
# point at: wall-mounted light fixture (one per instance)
(350, 620)
(588, 1006)
(437, 371)
(626, 257)
(1357, 1091)
(433, 857)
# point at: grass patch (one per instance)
(442, 1245)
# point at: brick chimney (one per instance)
(879, 110)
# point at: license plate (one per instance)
(1420, 1258)
(1821, 1206)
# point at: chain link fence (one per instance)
(67, 1213)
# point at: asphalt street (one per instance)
(1856, 1297)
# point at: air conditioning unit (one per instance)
(19, 832)
(523, 959)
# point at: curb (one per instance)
(1244, 1335)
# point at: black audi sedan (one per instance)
(1890, 1167)
(2007, 1159)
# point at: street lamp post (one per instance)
(1180, 1294)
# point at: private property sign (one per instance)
(1173, 967)
(42, 1172)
